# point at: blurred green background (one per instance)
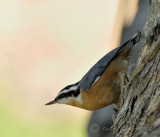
(17, 119)
(12, 126)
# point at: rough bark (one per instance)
(139, 102)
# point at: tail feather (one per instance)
(128, 48)
(135, 39)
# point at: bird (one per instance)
(101, 85)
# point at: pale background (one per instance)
(44, 46)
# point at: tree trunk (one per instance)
(139, 102)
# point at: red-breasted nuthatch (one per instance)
(101, 85)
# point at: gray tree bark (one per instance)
(139, 102)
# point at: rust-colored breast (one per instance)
(106, 90)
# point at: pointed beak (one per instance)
(52, 102)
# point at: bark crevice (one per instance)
(139, 102)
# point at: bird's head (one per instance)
(69, 95)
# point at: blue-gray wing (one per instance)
(90, 77)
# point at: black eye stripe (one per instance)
(71, 93)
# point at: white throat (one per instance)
(78, 99)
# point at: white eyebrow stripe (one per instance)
(64, 91)
(95, 80)
(71, 88)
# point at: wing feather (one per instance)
(97, 70)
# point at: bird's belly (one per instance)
(99, 98)
(106, 91)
